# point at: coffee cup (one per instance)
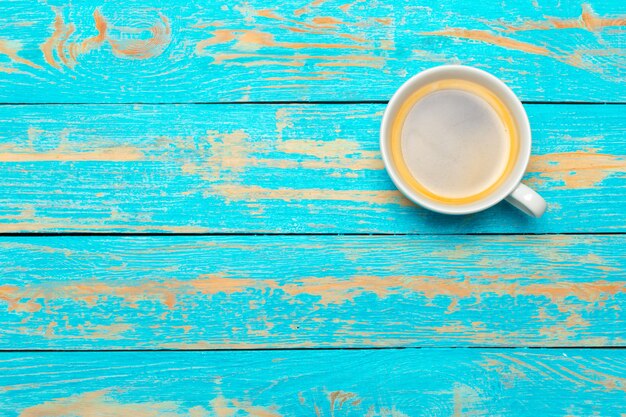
(457, 140)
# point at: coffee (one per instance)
(454, 141)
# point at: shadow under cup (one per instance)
(497, 96)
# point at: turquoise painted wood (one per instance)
(106, 125)
(226, 292)
(392, 383)
(191, 51)
(277, 168)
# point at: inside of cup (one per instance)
(503, 94)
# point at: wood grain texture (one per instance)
(300, 169)
(261, 168)
(390, 383)
(150, 51)
(311, 291)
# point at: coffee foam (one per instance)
(454, 141)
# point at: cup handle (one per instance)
(527, 200)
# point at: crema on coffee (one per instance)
(454, 141)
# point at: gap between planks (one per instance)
(282, 102)
(235, 234)
(280, 349)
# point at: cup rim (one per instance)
(518, 112)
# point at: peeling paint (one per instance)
(575, 372)
(99, 403)
(350, 36)
(39, 222)
(49, 45)
(64, 153)
(576, 58)
(90, 292)
(488, 37)
(325, 60)
(12, 49)
(124, 42)
(236, 192)
(102, 403)
(137, 48)
(226, 158)
(94, 42)
(588, 20)
(338, 398)
(89, 331)
(253, 40)
(347, 6)
(228, 155)
(338, 153)
(569, 296)
(307, 9)
(576, 170)
(466, 400)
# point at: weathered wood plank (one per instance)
(260, 168)
(151, 51)
(311, 291)
(392, 383)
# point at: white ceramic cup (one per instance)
(511, 189)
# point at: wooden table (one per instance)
(196, 220)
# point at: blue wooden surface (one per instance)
(390, 383)
(295, 168)
(311, 291)
(181, 51)
(101, 131)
